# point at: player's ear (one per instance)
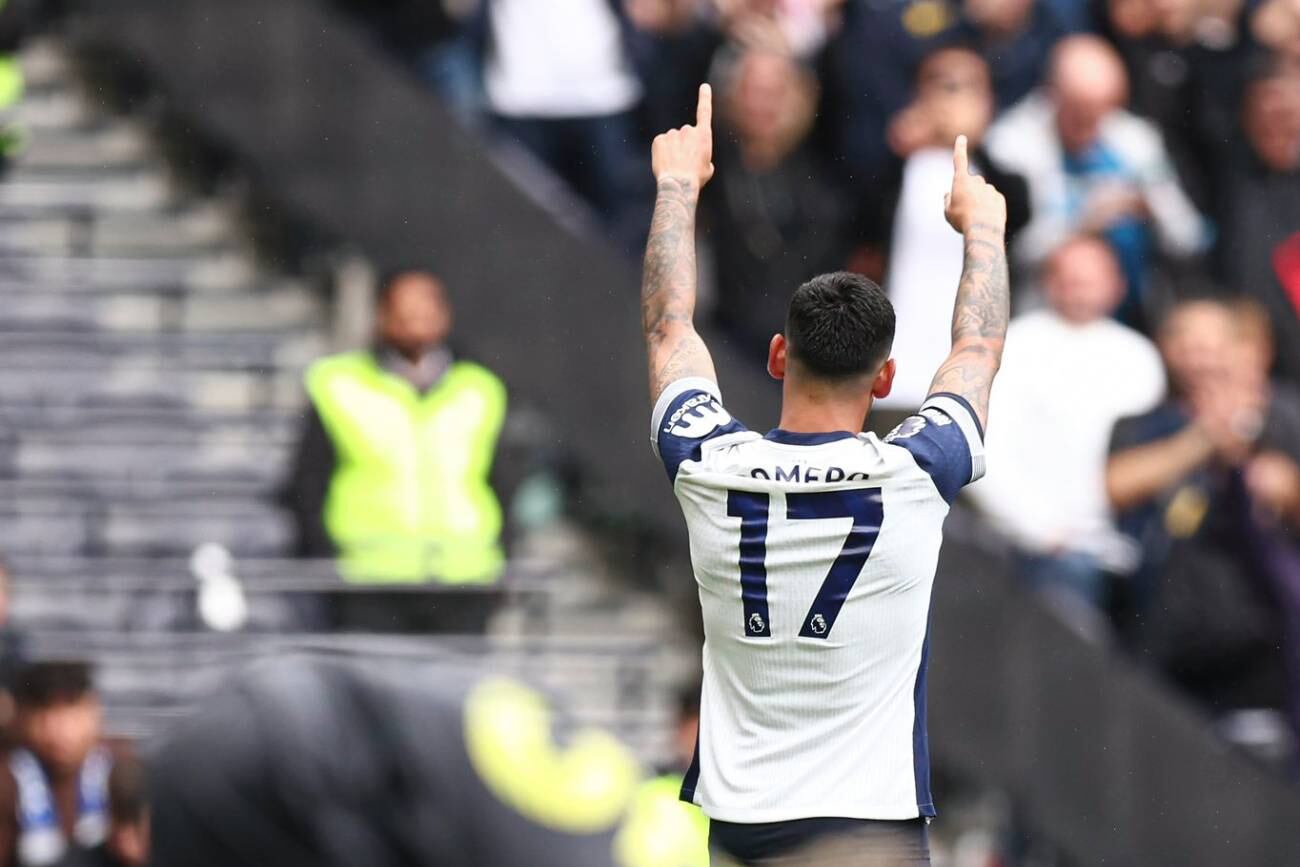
(884, 382)
(776, 356)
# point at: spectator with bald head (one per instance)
(1068, 374)
(1093, 167)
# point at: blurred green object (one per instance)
(661, 830)
(12, 137)
(11, 81)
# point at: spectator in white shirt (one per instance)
(1094, 168)
(954, 96)
(559, 79)
(1068, 374)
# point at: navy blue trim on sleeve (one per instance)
(965, 403)
(688, 414)
(943, 439)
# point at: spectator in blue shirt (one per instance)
(1094, 168)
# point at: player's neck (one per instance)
(821, 411)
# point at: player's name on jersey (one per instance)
(805, 474)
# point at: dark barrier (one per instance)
(1113, 766)
(334, 130)
(1102, 761)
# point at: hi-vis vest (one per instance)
(40, 837)
(661, 830)
(410, 500)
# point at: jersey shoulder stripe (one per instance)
(946, 440)
(688, 414)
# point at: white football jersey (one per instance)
(815, 557)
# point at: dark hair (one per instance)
(389, 279)
(128, 790)
(1262, 66)
(840, 325)
(947, 45)
(44, 684)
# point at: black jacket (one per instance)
(875, 226)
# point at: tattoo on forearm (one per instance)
(668, 284)
(668, 287)
(979, 321)
(984, 295)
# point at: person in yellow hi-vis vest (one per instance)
(660, 829)
(392, 470)
(13, 26)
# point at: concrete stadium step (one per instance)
(132, 489)
(237, 458)
(221, 270)
(110, 433)
(116, 529)
(45, 63)
(220, 391)
(167, 278)
(105, 143)
(142, 170)
(53, 575)
(57, 352)
(128, 431)
(52, 107)
(147, 192)
(187, 230)
(162, 309)
(167, 425)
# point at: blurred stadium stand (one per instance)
(110, 480)
(149, 391)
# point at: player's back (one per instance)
(815, 556)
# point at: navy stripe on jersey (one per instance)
(752, 510)
(794, 438)
(688, 414)
(946, 440)
(920, 734)
(692, 778)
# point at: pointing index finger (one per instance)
(704, 111)
(960, 163)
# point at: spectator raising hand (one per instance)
(1273, 480)
(902, 237)
(774, 215)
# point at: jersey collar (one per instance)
(791, 438)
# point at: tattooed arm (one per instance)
(683, 164)
(979, 319)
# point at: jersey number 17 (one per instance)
(866, 509)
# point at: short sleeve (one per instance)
(946, 440)
(688, 414)
(1139, 430)
(1126, 434)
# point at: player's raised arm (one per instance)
(683, 164)
(979, 320)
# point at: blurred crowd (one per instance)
(1144, 448)
(1144, 445)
